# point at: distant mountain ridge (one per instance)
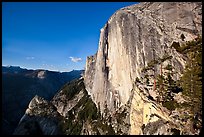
(20, 85)
(14, 69)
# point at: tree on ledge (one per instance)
(191, 81)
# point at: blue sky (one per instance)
(53, 35)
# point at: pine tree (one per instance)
(191, 80)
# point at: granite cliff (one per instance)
(130, 41)
(132, 84)
(133, 37)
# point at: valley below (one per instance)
(19, 86)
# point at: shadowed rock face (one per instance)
(41, 118)
(70, 112)
(131, 38)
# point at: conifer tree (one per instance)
(191, 80)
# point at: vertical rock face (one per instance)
(133, 37)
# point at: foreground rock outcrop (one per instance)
(41, 117)
(70, 112)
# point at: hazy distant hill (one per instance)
(19, 86)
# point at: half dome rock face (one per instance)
(130, 42)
